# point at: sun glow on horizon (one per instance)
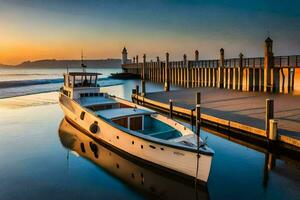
(34, 29)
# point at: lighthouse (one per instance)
(124, 56)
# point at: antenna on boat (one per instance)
(82, 64)
(198, 120)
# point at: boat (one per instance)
(143, 178)
(124, 76)
(133, 129)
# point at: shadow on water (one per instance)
(149, 181)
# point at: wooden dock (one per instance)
(234, 91)
(234, 110)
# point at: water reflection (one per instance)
(268, 169)
(148, 181)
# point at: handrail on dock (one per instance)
(265, 74)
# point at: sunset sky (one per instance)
(41, 29)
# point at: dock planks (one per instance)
(244, 111)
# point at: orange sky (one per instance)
(60, 29)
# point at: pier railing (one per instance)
(269, 73)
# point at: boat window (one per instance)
(93, 81)
(82, 147)
(65, 92)
(136, 123)
(85, 81)
(82, 115)
(121, 121)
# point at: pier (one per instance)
(235, 111)
(264, 74)
(242, 95)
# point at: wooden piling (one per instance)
(170, 108)
(268, 64)
(220, 69)
(250, 79)
(269, 114)
(276, 80)
(143, 83)
(240, 72)
(273, 130)
(196, 55)
(167, 81)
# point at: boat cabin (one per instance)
(135, 119)
(77, 84)
(141, 121)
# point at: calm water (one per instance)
(40, 158)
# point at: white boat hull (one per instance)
(175, 159)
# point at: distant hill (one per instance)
(3, 65)
(53, 63)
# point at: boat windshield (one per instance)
(81, 81)
(85, 81)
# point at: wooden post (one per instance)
(192, 120)
(240, 72)
(143, 87)
(196, 55)
(275, 79)
(220, 69)
(235, 79)
(186, 71)
(159, 73)
(225, 77)
(143, 67)
(293, 78)
(214, 77)
(250, 78)
(268, 64)
(273, 130)
(137, 93)
(170, 108)
(195, 70)
(269, 115)
(167, 83)
(289, 80)
(143, 76)
(137, 64)
(137, 89)
(198, 111)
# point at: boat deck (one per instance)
(121, 112)
(98, 100)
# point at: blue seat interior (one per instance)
(158, 129)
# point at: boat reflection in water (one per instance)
(144, 178)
